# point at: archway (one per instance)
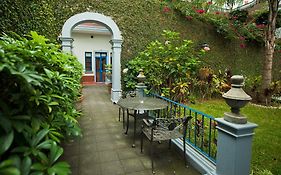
(116, 41)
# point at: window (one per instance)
(88, 62)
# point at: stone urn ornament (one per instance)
(140, 87)
(236, 98)
(141, 77)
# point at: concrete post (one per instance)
(116, 70)
(140, 90)
(234, 147)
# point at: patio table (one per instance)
(140, 104)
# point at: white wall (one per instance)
(84, 43)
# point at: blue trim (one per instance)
(202, 152)
(100, 57)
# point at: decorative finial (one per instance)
(236, 98)
(141, 77)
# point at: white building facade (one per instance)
(93, 49)
(96, 40)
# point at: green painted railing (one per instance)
(202, 132)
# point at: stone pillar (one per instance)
(235, 133)
(234, 147)
(66, 44)
(140, 90)
(116, 70)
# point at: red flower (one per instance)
(210, 3)
(242, 38)
(217, 12)
(242, 45)
(189, 17)
(200, 11)
(166, 9)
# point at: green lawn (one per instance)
(267, 139)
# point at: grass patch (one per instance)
(267, 139)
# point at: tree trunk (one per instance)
(269, 50)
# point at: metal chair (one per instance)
(161, 129)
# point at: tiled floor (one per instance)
(105, 150)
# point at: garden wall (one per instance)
(140, 23)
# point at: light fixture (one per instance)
(205, 47)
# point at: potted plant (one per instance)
(108, 76)
(108, 73)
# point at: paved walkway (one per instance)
(105, 150)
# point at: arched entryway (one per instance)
(116, 41)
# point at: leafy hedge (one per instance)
(140, 21)
(136, 19)
(39, 86)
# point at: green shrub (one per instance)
(176, 68)
(39, 86)
(253, 87)
(170, 64)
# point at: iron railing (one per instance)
(201, 131)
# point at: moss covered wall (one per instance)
(140, 22)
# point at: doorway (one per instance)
(68, 45)
(100, 66)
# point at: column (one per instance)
(116, 70)
(234, 147)
(66, 43)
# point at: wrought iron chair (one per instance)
(161, 129)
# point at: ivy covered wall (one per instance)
(140, 21)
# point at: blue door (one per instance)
(100, 66)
